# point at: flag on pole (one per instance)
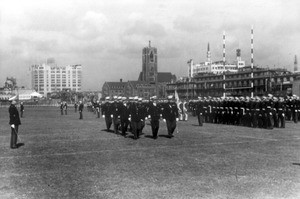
(176, 96)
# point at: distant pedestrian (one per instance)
(14, 121)
(80, 110)
(75, 106)
(22, 109)
(61, 108)
(66, 108)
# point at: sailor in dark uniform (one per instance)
(66, 108)
(124, 116)
(199, 110)
(136, 116)
(170, 115)
(61, 108)
(116, 113)
(106, 112)
(75, 106)
(80, 110)
(14, 122)
(21, 109)
(154, 113)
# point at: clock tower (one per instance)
(149, 65)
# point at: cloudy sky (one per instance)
(107, 36)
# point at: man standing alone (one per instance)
(80, 109)
(14, 121)
(21, 109)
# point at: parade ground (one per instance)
(64, 157)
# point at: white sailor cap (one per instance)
(107, 98)
(120, 97)
(170, 97)
(136, 98)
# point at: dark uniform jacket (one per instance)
(154, 111)
(137, 112)
(170, 111)
(80, 108)
(106, 109)
(14, 115)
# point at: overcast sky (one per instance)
(107, 37)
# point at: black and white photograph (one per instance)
(144, 99)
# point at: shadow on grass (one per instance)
(298, 164)
(20, 144)
(165, 136)
(108, 131)
(196, 125)
(149, 136)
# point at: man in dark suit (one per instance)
(199, 110)
(154, 112)
(170, 115)
(61, 108)
(14, 122)
(21, 109)
(80, 110)
(136, 116)
(124, 116)
(66, 108)
(75, 106)
(116, 109)
(106, 112)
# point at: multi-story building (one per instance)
(216, 67)
(279, 82)
(48, 77)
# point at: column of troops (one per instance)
(129, 114)
(262, 112)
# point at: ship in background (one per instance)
(223, 79)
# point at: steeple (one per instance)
(295, 64)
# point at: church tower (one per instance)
(149, 66)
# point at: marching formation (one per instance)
(130, 114)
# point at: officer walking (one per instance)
(170, 115)
(154, 112)
(136, 116)
(106, 112)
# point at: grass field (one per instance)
(64, 157)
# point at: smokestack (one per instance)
(252, 59)
(295, 64)
(121, 80)
(149, 44)
(224, 48)
(208, 53)
(238, 54)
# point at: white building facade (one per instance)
(47, 78)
